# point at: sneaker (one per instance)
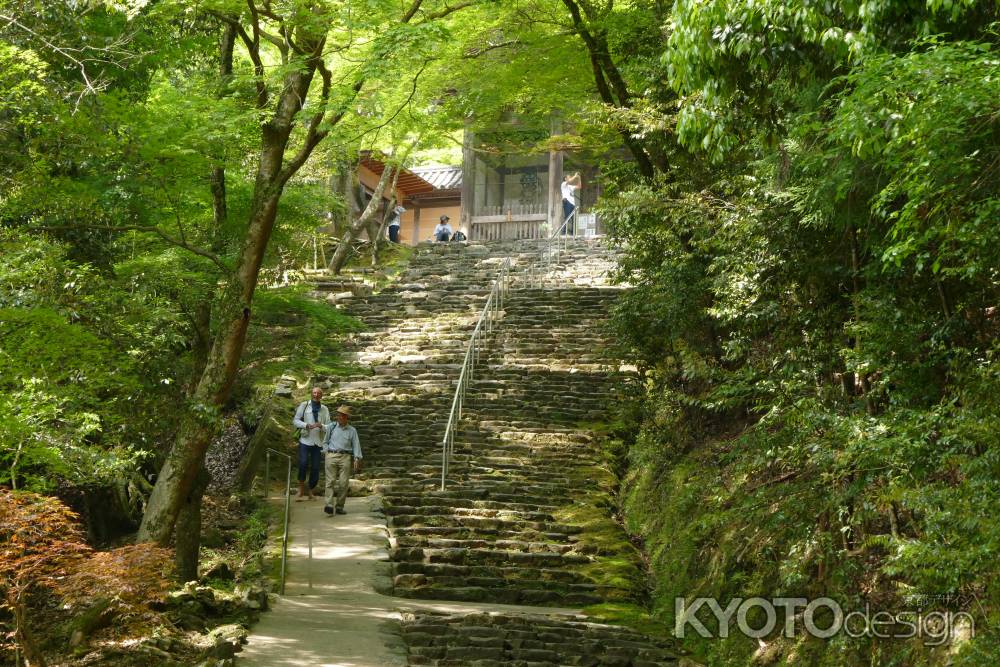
(341, 510)
(328, 509)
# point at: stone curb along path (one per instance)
(491, 571)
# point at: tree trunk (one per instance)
(29, 648)
(390, 211)
(202, 317)
(201, 322)
(201, 422)
(340, 255)
(188, 540)
(255, 451)
(379, 239)
(610, 83)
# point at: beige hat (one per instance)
(344, 410)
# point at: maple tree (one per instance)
(42, 548)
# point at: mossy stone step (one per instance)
(492, 640)
(450, 500)
(520, 452)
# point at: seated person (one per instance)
(442, 233)
(458, 236)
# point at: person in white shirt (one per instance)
(569, 187)
(442, 233)
(394, 224)
(343, 453)
(312, 418)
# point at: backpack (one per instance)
(303, 406)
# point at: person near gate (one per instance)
(312, 419)
(569, 187)
(343, 454)
(394, 224)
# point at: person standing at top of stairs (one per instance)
(569, 187)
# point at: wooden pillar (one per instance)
(468, 176)
(503, 173)
(555, 179)
(416, 226)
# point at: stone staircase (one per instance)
(495, 640)
(525, 518)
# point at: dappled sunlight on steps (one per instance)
(525, 519)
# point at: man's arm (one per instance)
(575, 181)
(298, 421)
(357, 451)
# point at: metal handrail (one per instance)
(288, 497)
(559, 239)
(487, 320)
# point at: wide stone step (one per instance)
(515, 530)
(493, 640)
(426, 542)
(541, 594)
(459, 501)
(488, 556)
(459, 508)
(507, 573)
(476, 528)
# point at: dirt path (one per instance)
(331, 614)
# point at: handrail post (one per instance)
(288, 499)
(284, 537)
(267, 474)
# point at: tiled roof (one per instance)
(440, 176)
(408, 182)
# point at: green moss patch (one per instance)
(628, 614)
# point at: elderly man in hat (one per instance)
(343, 452)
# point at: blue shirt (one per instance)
(343, 439)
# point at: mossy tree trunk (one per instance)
(200, 423)
(188, 541)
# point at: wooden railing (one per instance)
(485, 229)
(533, 209)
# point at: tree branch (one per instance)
(412, 11)
(432, 16)
(319, 125)
(279, 43)
(475, 52)
(253, 50)
(89, 86)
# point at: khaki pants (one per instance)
(338, 473)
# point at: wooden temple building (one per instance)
(496, 194)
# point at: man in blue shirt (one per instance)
(343, 453)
